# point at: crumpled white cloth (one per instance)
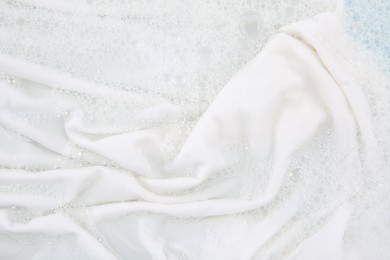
(300, 85)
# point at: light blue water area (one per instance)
(369, 23)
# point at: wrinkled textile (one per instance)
(286, 162)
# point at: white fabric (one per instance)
(275, 168)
